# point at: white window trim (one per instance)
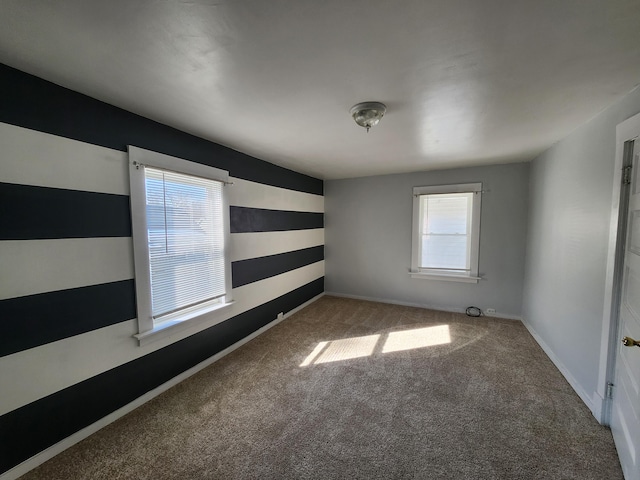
(445, 275)
(147, 331)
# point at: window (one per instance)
(446, 232)
(180, 233)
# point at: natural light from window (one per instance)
(343, 349)
(417, 338)
(359, 347)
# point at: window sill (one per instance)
(445, 276)
(178, 324)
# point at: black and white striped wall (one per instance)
(68, 359)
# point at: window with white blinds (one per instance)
(185, 240)
(180, 219)
(446, 231)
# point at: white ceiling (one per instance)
(466, 82)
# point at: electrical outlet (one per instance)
(489, 311)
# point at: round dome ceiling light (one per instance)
(368, 114)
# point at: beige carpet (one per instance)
(360, 390)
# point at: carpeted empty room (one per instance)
(360, 390)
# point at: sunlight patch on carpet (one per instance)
(417, 338)
(348, 348)
(358, 347)
(344, 349)
(314, 354)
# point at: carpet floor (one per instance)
(347, 389)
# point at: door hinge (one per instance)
(609, 390)
(626, 175)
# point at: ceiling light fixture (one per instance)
(368, 114)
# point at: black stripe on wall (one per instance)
(246, 219)
(30, 429)
(28, 213)
(254, 269)
(34, 320)
(31, 102)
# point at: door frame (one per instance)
(625, 131)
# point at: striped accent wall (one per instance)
(68, 357)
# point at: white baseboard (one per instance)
(62, 445)
(589, 401)
(442, 308)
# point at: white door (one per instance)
(625, 414)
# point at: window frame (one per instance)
(148, 330)
(440, 274)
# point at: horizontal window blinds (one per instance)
(185, 228)
(446, 231)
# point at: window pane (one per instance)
(444, 251)
(445, 231)
(186, 241)
(445, 213)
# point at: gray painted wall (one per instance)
(368, 239)
(569, 214)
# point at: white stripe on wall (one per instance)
(59, 264)
(46, 369)
(244, 193)
(35, 158)
(261, 244)
(40, 159)
(39, 266)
